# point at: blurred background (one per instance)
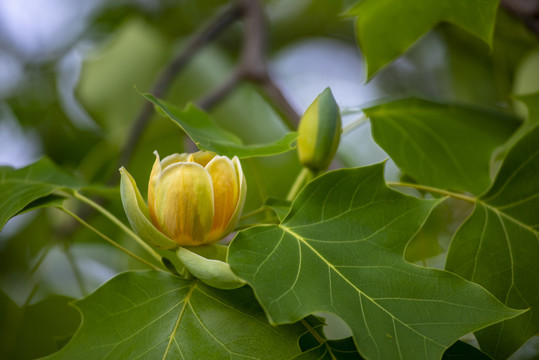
(69, 75)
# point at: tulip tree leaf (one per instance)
(23, 187)
(279, 206)
(385, 29)
(154, 315)
(446, 146)
(43, 325)
(344, 349)
(498, 246)
(340, 250)
(208, 135)
(532, 103)
(463, 351)
(315, 343)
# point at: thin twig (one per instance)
(211, 99)
(76, 271)
(213, 28)
(275, 96)
(253, 67)
(526, 11)
(362, 119)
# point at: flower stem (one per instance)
(355, 123)
(76, 271)
(109, 240)
(120, 224)
(305, 175)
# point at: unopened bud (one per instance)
(319, 132)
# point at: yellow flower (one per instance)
(193, 199)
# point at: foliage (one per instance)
(423, 234)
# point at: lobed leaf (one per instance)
(385, 29)
(46, 325)
(208, 135)
(24, 187)
(344, 349)
(154, 315)
(463, 351)
(446, 146)
(340, 250)
(498, 246)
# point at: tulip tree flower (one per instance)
(193, 199)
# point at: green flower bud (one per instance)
(319, 132)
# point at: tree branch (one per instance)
(526, 11)
(161, 85)
(253, 67)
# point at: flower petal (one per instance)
(184, 203)
(156, 170)
(225, 191)
(202, 157)
(173, 159)
(243, 193)
(158, 166)
(137, 213)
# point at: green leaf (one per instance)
(532, 103)
(340, 250)
(314, 342)
(208, 135)
(46, 201)
(385, 29)
(43, 325)
(279, 206)
(343, 349)
(498, 246)
(24, 186)
(446, 146)
(154, 315)
(463, 351)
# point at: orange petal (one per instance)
(202, 157)
(225, 191)
(184, 202)
(158, 166)
(241, 198)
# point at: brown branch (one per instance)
(526, 11)
(211, 99)
(161, 85)
(253, 67)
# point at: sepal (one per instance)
(138, 215)
(214, 273)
